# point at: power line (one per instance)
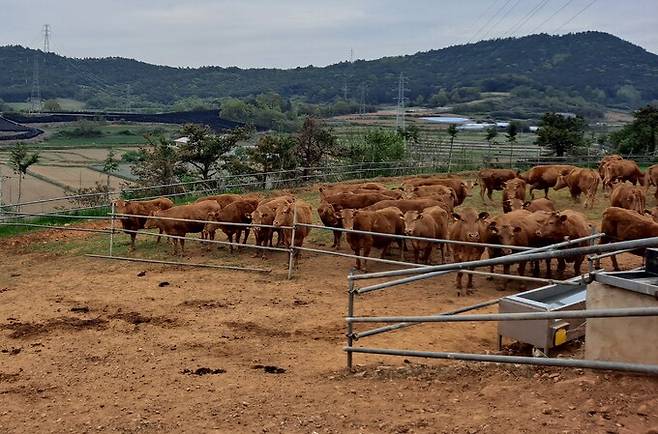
(539, 6)
(501, 19)
(577, 14)
(552, 16)
(489, 20)
(482, 15)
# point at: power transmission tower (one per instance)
(401, 100)
(362, 100)
(35, 95)
(46, 38)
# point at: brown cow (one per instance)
(619, 224)
(331, 219)
(567, 223)
(519, 228)
(225, 199)
(389, 220)
(296, 212)
(431, 223)
(235, 212)
(622, 170)
(541, 204)
(580, 181)
(354, 201)
(439, 192)
(264, 215)
(628, 196)
(194, 211)
(493, 179)
(406, 204)
(513, 189)
(331, 189)
(651, 179)
(145, 208)
(469, 226)
(461, 187)
(392, 194)
(544, 177)
(605, 160)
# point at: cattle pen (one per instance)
(412, 272)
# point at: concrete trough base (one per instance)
(620, 339)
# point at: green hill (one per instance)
(582, 72)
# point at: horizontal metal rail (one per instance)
(402, 325)
(522, 316)
(518, 277)
(605, 255)
(412, 238)
(201, 240)
(219, 223)
(365, 258)
(520, 360)
(155, 261)
(429, 275)
(60, 228)
(65, 216)
(525, 256)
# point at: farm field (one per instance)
(90, 345)
(33, 189)
(75, 177)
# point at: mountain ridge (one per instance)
(599, 68)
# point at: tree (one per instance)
(51, 105)
(110, 165)
(640, 135)
(158, 164)
(410, 133)
(561, 133)
(452, 132)
(315, 143)
(20, 160)
(378, 145)
(271, 153)
(205, 151)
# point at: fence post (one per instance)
(292, 240)
(112, 230)
(350, 313)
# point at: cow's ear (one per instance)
(456, 216)
(526, 204)
(517, 229)
(419, 216)
(483, 215)
(647, 212)
(563, 218)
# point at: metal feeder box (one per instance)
(544, 334)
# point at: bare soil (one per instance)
(88, 345)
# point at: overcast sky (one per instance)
(289, 33)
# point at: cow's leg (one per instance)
(366, 253)
(489, 193)
(132, 241)
(230, 240)
(401, 248)
(546, 192)
(428, 253)
(157, 241)
(246, 235)
(561, 266)
(615, 265)
(182, 245)
(458, 282)
(357, 252)
(469, 285)
(532, 191)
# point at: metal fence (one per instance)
(416, 274)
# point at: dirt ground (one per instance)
(88, 345)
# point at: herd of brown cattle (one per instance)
(423, 207)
